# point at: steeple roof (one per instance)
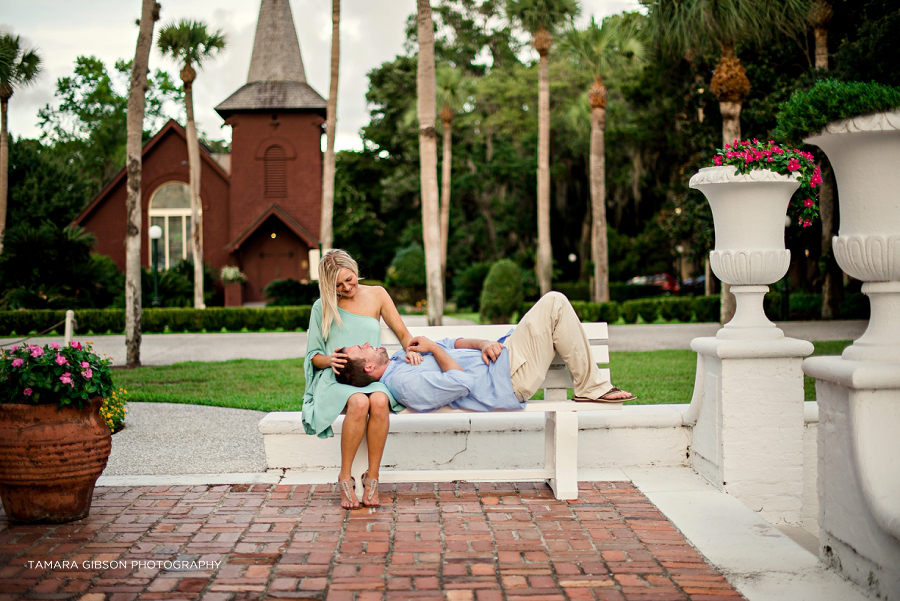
(277, 80)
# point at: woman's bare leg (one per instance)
(376, 436)
(351, 435)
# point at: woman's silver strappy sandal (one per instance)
(372, 485)
(347, 489)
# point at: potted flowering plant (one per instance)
(233, 279)
(54, 442)
(746, 156)
(749, 187)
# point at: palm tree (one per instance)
(133, 166)
(453, 90)
(685, 27)
(613, 45)
(327, 230)
(19, 67)
(190, 42)
(540, 17)
(431, 228)
(819, 17)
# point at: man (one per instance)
(482, 375)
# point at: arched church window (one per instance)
(275, 172)
(170, 209)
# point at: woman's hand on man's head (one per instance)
(338, 361)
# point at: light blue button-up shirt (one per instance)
(424, 387)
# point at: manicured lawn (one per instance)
(656, 377)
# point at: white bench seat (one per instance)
(560, 426)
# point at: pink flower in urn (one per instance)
(85, 364)
(793, 165)
(60, 360)
(75, 345)
(87, 374)
(66, 378)
(719, 161)
(27, 392)
(15, 348)
(18, 363)
(808, 203)
(54, 346)
(816, 178)
(36, 351)
(807, 223)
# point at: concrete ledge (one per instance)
(191, 479)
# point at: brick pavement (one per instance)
(453, 542)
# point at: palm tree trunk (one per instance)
(446, 170)
(545, 250)
(193, 148)
(426, 90)
(832, 276)
(599, 247)
(133, 168)
(327, 229)
(731, 131)
(4, 169)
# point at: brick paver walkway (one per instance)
(453, 542)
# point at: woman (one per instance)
(346, 314)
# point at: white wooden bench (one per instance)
(560, 468)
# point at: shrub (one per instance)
(630, 311)
(806, 306)
(407, 269)
(574, 291)
(854, 306)
(290, 292)
(468, 284)
(622, 292)
(808, 112)
(648, 309)
(678, 309)
(502, 293)
(707, 308)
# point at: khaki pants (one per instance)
(551, 327)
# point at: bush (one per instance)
(808, 112)
(630, 311)
(113, 409)
(290, 292)
(647, 309)
(622, 292)
(855, 306)
(677, 309)
(468, 284)
(707, 308)
(806, 306)
(574, 291)
(502, 293)
(407, 269)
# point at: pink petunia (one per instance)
(793, 165)
(60, 360)
(27, 392)
(37, 351)
(18, 363)
(809, 203)
(15, 348)
(807, 223)
(54, 346)
(718, 161)
(75, 345)
(66, 378)
(88, 374)
(85, 364)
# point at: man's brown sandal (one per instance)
(604, 397)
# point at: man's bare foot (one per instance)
(348, 495)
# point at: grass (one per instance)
(656, 377)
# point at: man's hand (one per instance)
(421, 344)
(490, 351)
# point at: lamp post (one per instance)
(155, 232)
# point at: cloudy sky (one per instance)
(372, 32)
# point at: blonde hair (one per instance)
(330, 266)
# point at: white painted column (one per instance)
(748, 436)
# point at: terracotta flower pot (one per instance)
(50, 460)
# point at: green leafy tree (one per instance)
(19, 67)
(540, 18)
(87, 123)
(601, 49)
(189, 42)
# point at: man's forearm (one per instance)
(445, 361)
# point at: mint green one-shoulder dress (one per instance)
(325, 397)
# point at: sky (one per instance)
(372, 32)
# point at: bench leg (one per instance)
(561, 453)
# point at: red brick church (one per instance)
(261, 203)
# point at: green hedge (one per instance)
(102, 321)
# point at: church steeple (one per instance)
(276, 50)
(277, 80)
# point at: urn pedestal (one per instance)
(747, 408)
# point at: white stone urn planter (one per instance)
(865, 154)
(859, 393)
(749, 215)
